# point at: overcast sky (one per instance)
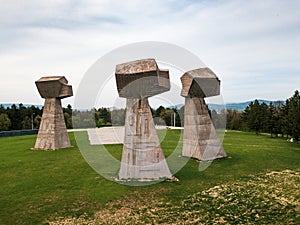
(253, 46)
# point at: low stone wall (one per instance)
(17, 133)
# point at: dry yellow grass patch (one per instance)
(273, 198)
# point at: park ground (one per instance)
(258, 183)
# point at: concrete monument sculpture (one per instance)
(53, 132)
(200, 139)
(142, 156)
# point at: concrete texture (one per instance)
(200, 139)
(200, 83)
(142, 156)
(54, 87)
(53, 132)
(141, 79)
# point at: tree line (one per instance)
(20, 117)
(277, 118)
(102, 117)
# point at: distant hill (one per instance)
(239, 106)
(242, 105)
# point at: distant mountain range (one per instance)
(239, 106)
(242, 105)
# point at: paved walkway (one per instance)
(112, 135)
(106, 135)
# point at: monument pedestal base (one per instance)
(142, 156)
(52, 132)
(200, 139)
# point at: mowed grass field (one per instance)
(258, 183)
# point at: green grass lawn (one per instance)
(38, 187)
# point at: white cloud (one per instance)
(237, 39)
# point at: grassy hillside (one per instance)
(59, 187)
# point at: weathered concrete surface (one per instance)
(54, 87)
(142, 156)
(200, 139)
(141, 79)
(200, 83)
(53, 132)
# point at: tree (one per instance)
(285, 120)
(294, 115)
(234, 120)
(68, 120)
(102, 117)
(118, 117)
(68, 116)
(271, 119)
(14, 116)
(68, 110)
(158, 111)
(168, 116)
(2, 109)
(277, 117)
(4, 122)
(253, 116)
(218, 118)
(26, 123)
(156, 115)
(37, 121)
(83, 119)
(265, 116)
(101, 122)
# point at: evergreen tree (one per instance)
(285, 119)
(253, 116)
(271, 120)
(277, 123)
(294, 115)
(265, 116)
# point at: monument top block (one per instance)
(141, 79)
(137, 66)
(54, 87)
(200, 83)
